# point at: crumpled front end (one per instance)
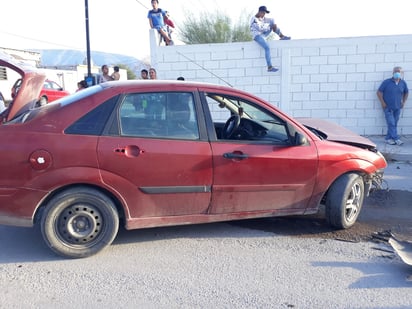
(375, 181)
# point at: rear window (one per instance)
(94, 121)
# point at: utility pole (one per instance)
(89, 78)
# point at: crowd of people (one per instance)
(106, 77)
(392, 93)
(103, 77)
(260, 27)
(152, 74)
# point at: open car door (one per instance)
(29, 90)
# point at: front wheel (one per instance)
(79, 222)
(344, 201)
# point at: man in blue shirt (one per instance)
(393, 93)
(156, 21)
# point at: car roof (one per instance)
(170, 85)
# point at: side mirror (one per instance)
(300, 139)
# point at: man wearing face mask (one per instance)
(392, 94)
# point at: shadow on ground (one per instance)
(383, 212)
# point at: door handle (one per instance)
(235, 155)
(129, 151)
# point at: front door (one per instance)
(253, 177)
(256, 164)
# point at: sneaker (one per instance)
(272, 69)
(390, 142)
(398, 142)
(284, 38)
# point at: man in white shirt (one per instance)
(261, 27)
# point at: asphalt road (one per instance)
(269, 263)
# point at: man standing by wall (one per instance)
(393, 93)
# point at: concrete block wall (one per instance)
(334, 78)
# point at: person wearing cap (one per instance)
(261, 27)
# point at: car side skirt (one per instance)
(16, 221)
(175, 189)
(138, 223)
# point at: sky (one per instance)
(122, 26)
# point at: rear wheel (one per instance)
(344, 201)
(79, 222)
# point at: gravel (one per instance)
(222, 265)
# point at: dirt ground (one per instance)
(383, 212)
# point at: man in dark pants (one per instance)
(393, 93)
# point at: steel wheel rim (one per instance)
(79, 224)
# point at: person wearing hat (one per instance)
(261, 27)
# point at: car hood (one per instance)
(336, 133)
(32, 83)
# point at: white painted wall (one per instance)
(334, 79)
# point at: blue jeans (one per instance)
(261, 40)
(392, 118)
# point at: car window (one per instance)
(94, 121)
(159, 115)
(55, 86)
(255, 123)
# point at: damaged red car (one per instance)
(160, 153)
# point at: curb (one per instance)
(394, 152)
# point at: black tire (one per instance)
(344, 201)
(79, 222)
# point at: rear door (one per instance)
(158, 158)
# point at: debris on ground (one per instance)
(403, 248)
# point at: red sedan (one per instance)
(50, 92)
(159, 153)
